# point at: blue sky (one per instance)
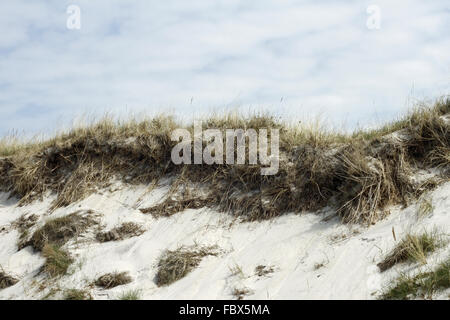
(295, 59)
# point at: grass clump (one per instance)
(60, 230)
(57, 260)
(77, 294)
(240, 293)
(176, 264)
(6, 280)
(413, 248)
(422, 285)
(130, 295)
(76, 163)
(23, 224)
(262, 270)
(114, 279)
(170, 206)
(124, 231)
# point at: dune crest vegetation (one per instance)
(359, 174)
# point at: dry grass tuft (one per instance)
(371, 182)
(60, 230)
(6, 280)
(131, 295)
(169, 206)
(58, 260)
(425, 207)
(114, 279)
(77, 294)
(174, 265)
(124, 231)
(412, 248)
(422, 285)
(23, 224)
(262, 271)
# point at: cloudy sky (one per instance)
(293, 58)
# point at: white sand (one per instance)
(294, 245)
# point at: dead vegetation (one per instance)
(421, 285)
(359, 174)
(114, 279)
(262, 270)
(131, 295)
(23, 224)
(60, 230)
(176, 264)
(241, 293)
(412, 248)
(169, 206)
(124, 231)
(6, 280)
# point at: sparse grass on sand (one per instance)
(359, 174)
(77, 294)
(24, 224)
(176, 264)
(240, 293)
(57, 260)
(60, 230)
(422, 285)
(412, 248)
(114, 279)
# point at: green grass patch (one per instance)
(57, 260)
(422, 285)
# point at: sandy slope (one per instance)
(294, 245)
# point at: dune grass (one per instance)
(413, 248)
(359, 174)
(57, 260)
(176, 264)
(131, 295)
(113, 279)
(60, 230)
(77, 294)
(124, 231)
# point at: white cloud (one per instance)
(293, 58)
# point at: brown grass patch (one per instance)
(6, 280)
(23, 224)
(77, 294)
(240, 293)
(358, 174)
(57, 260)
(114, 279)
(169, 206)
(262, 270)
(124, 231)
(60, 230)
(176, 264)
